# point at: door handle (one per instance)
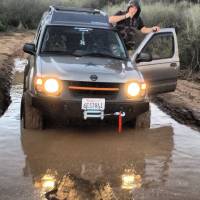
(173, 65)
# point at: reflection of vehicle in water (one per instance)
(102, 163)
(78, 66)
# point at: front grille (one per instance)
(93, 84)
(81, 89)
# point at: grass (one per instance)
(29, 12)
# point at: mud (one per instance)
(183, 104)
(10, 47)
(5, 85)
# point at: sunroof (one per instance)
(60, 8)
(79, 17)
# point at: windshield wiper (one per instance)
(62, 53)
(105, 55)
(77, 54)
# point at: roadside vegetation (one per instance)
(186, 19)
(27, 13)
(184, 16)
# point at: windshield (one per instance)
(80, 41)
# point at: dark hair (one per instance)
(133, 3)
(136, 4)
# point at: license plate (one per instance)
(93, 104)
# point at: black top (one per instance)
(127, 28)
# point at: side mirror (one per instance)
(144, 57)
(29, 48)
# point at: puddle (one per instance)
(20, 64)
(18, 76)
(98, 163)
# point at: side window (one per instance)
(161, 46)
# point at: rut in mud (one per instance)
(11, 46)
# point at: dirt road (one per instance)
(183, 104)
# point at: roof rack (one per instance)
(83, 10)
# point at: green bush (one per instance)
(3, 23)
(2, 27)
(29, 12)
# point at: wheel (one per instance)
(143, 120)
(31, 117)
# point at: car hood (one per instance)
(81, 68)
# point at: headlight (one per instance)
(136, 89)
(133, 89)
(50, 86)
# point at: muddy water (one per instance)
(95, 162)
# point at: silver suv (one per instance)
(79, 68)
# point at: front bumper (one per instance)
(67, 109)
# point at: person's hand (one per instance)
(155, 29)
(131, 13)
(128, 15)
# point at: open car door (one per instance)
(157, 58)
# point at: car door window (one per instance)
(161, 46)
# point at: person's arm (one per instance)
(117, 18)
(149, 30)
(144, 29)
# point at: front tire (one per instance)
(30, 116)
(143, 120)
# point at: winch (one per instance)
(101, 115)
